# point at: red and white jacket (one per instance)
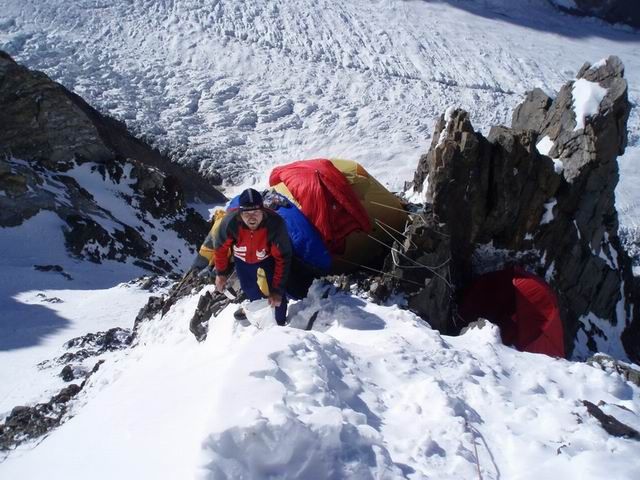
(270, 239)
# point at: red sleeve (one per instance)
(222, 243)
(221, 257)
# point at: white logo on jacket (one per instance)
(262, 254)
(240, 252)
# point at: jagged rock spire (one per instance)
(539, 194)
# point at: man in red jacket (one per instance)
(257, 238)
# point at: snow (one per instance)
(558, 166)
(545, 145)
(610, 343)
(116, 199)
(575, 224)
(448, 115)
(612, 258)
(627, 198)
(586, 100)
(357, 80)
(600, 63)
(371, 391)
(547, 216)
(420, 196)
(41, 310)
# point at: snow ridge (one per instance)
(371, 392)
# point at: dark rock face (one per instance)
(91, 345)
(612, 11)
(209, 304)
(531, 113)
(611, 424)
(500, 201)
(58, 154)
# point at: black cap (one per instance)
(250, 199)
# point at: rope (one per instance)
(431, 269)
(394, 255)
(385, 228)
(390, 207)
(475, 447)
(355, 264)
(389, 227)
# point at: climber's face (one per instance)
(252, 218)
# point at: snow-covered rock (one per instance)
(117, 198)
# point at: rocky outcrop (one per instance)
(209, 304)
(612, 11)
(114, 194)
(609, 423)
(539, 194)
(28, 423)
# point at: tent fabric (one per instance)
(282, 189)
(385, 211)
(326, 199)
(524, 307)
(305, 239)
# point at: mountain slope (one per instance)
(371, 392)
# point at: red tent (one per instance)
(326, 199)
(524, 307)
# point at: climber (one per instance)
(258, 239)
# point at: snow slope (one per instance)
(371, 392)
(40, 310)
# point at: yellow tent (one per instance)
(386, 213)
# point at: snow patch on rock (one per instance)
(586, 100)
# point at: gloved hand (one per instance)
(275, 299)
(208, 272)
(221, 282)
